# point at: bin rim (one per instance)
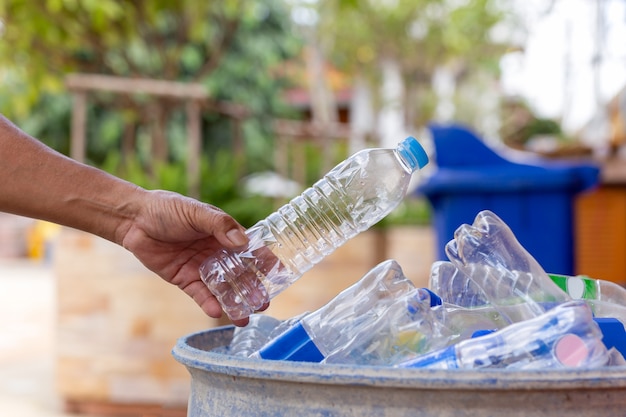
(214, 361)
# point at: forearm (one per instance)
(40, 183)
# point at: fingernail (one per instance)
(237, 237)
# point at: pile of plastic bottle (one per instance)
(491, 305)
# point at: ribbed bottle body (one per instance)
(352, 197)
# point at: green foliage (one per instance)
(411, 211)
(542, 126)
(420, 35)
(520, 124)
(536, 126)
(49, 119)
(220, 184)
(232, 47)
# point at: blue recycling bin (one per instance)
(534, 196)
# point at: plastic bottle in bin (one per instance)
(352, 197)
(586, 288)
(564, 337)
(510, 278)
(479, 290)
(350, 319)
(607, 299)
(408, 327)
(247, 340)
(466, 308)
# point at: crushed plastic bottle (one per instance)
(348, 319)
(286, 325)
(457, 288)
(419, 323)
(472, 286)
(509, 277)
(454, 286)
(408, 327)
(352, 197)
(564, 337)
(581, 287)
(463, 322)
(606, 299)
(247, 340)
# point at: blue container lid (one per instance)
(465, 164)
(295, 344)
(509, 178)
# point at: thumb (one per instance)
(236, 238)
(225, 228)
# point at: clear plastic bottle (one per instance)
(247, 340)
(477, 289)
(586, 288)
(564, 337)
(510, 278)
(408, 327)
(348, 318)
(607, 299)
(465, 306)
(455, 287)
(352, 197)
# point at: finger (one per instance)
(209, 304)
(241, 322)
(227, 231)
(236, 237)
(204, 298)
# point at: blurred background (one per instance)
(245, 103)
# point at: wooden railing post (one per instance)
(194, 147)
(79, 126)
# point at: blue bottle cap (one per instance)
(481, 333)
(435, 300)
(294, 344)
(413, 153)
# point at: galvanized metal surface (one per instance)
(227, 386)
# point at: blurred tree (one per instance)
(231, 46)
(419, 37)
(520, 124)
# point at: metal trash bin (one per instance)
(532, 195)
(227, 386)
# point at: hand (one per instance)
(172, 235)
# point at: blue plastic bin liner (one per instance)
(533, 195)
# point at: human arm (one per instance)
(169, 233)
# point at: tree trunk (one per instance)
(391, 125)
(361, 115)
(323, 105)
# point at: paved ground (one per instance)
(27, 340)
